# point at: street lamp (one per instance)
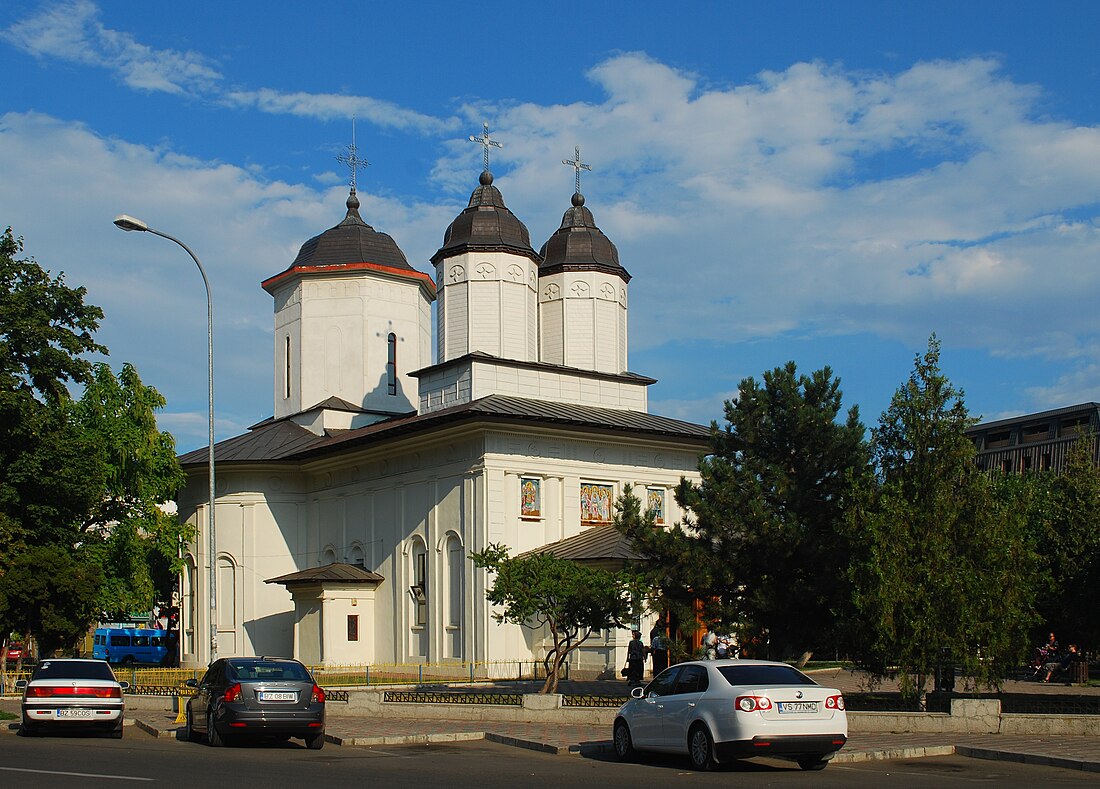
(128, 223)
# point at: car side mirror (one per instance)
(191, 683)
(21, 683)
(637, 693)
(124, 685)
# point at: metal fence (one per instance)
(170, 681)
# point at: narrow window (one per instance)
(391, 364)
(286, 373)
(353, 627)
(422, 584)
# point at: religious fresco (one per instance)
(595, 503)
(530, 497)
(655, 503)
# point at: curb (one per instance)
(408, 739)
(885, 754)
(1028, 758)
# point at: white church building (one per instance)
(344, 523)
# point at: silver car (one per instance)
(66, 694)
(721, 710)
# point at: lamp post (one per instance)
(128, 223)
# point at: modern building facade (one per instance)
(1035, 442)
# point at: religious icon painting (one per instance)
(595, 503)
(655, 503)
(530, 497)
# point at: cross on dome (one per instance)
(351, 158)
(577, 165)
(486, 142)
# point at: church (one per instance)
(344, 522)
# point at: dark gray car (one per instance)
(256, 697)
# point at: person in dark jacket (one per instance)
(658, 647)
(635, 659)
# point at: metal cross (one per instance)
(577, 165)
(351, 158)
(486, 142)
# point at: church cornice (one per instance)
(273, 283)
(485, 358)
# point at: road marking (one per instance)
(76, 775)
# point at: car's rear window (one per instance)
(260, 670)
(764, 675)
(73, 669)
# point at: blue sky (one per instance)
(828, 183)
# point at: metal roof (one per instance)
(282, 440)
(578, 245)
(594, 544)
(486, 225)
(339, 572)
(554, 368)
(1038, 417)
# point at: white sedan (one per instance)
(720, 710)
(72, 693)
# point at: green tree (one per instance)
(941, 567)
(79, 477)
(572, 601)
(1069, 542)
(764, 546)
(50, 593)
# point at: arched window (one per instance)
(391, 364)
(227, 594)
(455, 603)
(328, 556)
(355, 555)
(419, 586)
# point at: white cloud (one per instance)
(326, 106)
(72, 32)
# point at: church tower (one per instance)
(582, 292)
(352, 320)
(487, 274)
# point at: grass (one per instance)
(8, 716)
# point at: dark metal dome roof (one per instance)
(351, 241)
(578, 245)
(486, 225)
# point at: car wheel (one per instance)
(27, 729)
(128, 661)
(813, 763)
(700, 747)
(624, 745)
(213, 739)
(316, 742)
(116, 732)
(189, 731)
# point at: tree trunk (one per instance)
(802, 661)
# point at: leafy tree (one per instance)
(50, 592)
(941, 565)
(571, 600)
(764, 547)
(82, 477)
(1068, 544)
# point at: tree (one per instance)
(80, 478)
(571, 600)
(763, 548)
(941, 568)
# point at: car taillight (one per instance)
(318, 694)
(752, 703)
(95, 693)
(834, 702)
(232, 693)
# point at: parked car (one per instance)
(258, 697)
(71, 693)
(721, 710)
(15, 652)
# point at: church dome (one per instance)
(578, 245)
(485, 225)
(351, 241)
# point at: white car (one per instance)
(73, 693)
(721, 710)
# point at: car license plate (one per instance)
(797, 707)
(270, 695)
(65, 713)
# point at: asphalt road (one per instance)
(139, 760)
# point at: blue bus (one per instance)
(129, 646)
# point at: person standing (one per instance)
(658, 647)
(635, 659)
